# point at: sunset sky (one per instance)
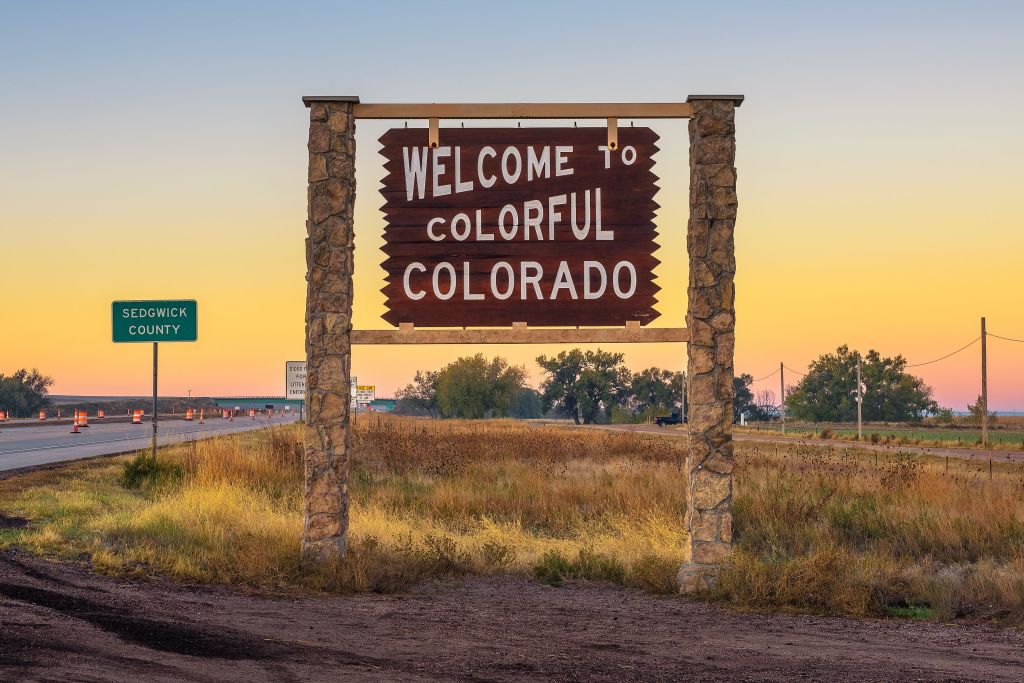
(158, 150)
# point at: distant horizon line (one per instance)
(70, 398)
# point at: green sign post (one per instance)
(155, 321)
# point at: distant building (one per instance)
(381, 405)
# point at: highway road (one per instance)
(42, 445)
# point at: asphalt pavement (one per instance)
(45, 444)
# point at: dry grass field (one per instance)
(1006, 437)
(817, 529)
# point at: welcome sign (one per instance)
(546, 226)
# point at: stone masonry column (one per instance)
(329, 259)
(710, 318)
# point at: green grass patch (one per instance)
(919, 613)
(554, 568)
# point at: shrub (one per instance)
(144, 470)
(497, 555)
(444, 556)
(597, 567)
(554, 568)
(655, 573)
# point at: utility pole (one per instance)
(984, 386)
(782, 395)
(860, 401)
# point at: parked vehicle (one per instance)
(673, 419)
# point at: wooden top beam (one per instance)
(535, 110)
(524, 335)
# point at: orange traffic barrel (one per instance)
(188, 414)
(252, 413)
(42, 414)
(100, 414)
(136, 417)
(3, 416)
(83, 419)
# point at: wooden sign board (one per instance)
(545, 226)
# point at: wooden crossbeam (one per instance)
(536, 110)
(521, 334)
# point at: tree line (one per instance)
(24, 393)
(595, 386)
(585, 386)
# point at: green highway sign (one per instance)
(155, 321)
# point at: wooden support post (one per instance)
(613, 133)
(433, 133)
(710, 318)
(331, 200)
(984, 385)
(860, 402)
(782, 394)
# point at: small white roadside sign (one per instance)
(295, 380)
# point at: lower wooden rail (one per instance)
(519, 333)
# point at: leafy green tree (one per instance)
(767, 407)
(743, 397)
(655, 390)
(585, 386)
(976, 410)
(473, 387)
(828, 392)
(420, 396)
(24, 392)
(527, 405)
(759, 408)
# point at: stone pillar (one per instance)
(710, 318)
(329, 259)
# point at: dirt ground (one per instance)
(62, 622)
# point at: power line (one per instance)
(914, 365)
(966, 346)
(1019, 341)
(774, 372)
